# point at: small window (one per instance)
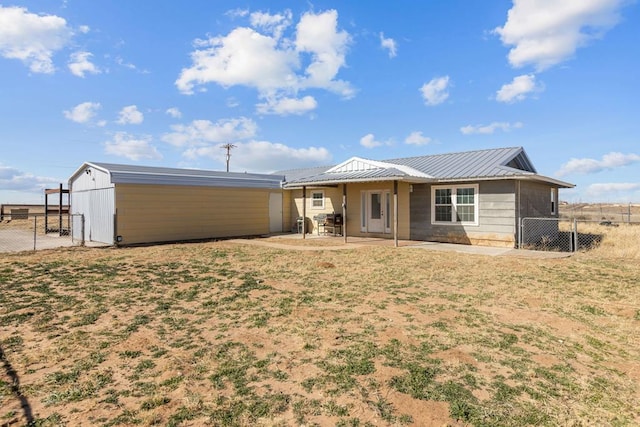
(553, 201)
(317, 199)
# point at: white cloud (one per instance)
(272, 24)
(416, 138)
(263, 156)
(389, 44)
(545, 33)
(82, 113)
(84, 29)
(588, 166)
(174, 112)
(204, 132)
(130, 115)
(132, 147)
(518, 89)
(490, 129)
(369, 141)
(270, 63)
(13, 179)
(435, 92)
(614, 191)
(80, 64)
(31, 38)
(286, 106)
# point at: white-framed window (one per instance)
(553, 201)
(317, 199)
(454, 204)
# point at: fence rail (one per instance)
(563, 235)
(32, 232)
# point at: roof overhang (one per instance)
(333, 183)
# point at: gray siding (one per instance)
(496, 216)
(535, 200)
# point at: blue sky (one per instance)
(297, 84)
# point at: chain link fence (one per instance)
(34, 232)
(563, 235)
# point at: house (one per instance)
(475, 197)
(124, 204)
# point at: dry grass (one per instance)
(233, 335)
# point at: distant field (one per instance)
(618, 212)
(233, 335)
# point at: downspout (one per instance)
(344, 211)
(304, 211)
(395, 213)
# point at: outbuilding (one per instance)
(126, 204)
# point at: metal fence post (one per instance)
(520, 228)
(575, 235)
(82, 223)
(35, 229)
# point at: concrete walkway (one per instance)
(330, 243)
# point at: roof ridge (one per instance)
(456, 153)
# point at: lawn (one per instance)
(227, 334)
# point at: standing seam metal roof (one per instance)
(131, 174)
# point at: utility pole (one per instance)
(228, 147)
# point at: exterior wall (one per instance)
(535, 202)
(92, 195)
(496, 217)
(332, 203)
(159, 213)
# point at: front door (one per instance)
(376, 210)
(275, 212)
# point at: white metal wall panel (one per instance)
(91, 179)
(98, 208)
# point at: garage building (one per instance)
(125, 204)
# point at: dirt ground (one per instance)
(222, 333)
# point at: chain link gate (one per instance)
(563, 235)
(30, 233)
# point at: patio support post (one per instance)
(304, 211)
(344, 211)
(395, 213)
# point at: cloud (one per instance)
(287, 106)
(369, 141)
(588, 166)
(31, 38)
(271, 63)
(546, 33)
(490, 129)
(263, 156)
(13, 179)
(389, 44)
(518, 89)
(205, 132)
(618, 191)
(174, 112)
(272, 24)
(130, 115)
(132, 147)
(79, 64)
(416, 138)
(82, 113)
(435, 92)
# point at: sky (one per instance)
(299, 84)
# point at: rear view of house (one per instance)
(474, 197)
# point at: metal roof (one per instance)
(497, 163)
(132, 174)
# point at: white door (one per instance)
(275, 212)
(376, 219)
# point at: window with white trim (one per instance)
(317, 199)
(454, 204)
(553, 201)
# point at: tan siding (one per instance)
(154, 213)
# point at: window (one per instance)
(456, 204)
(317, 199)
(553, 201)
